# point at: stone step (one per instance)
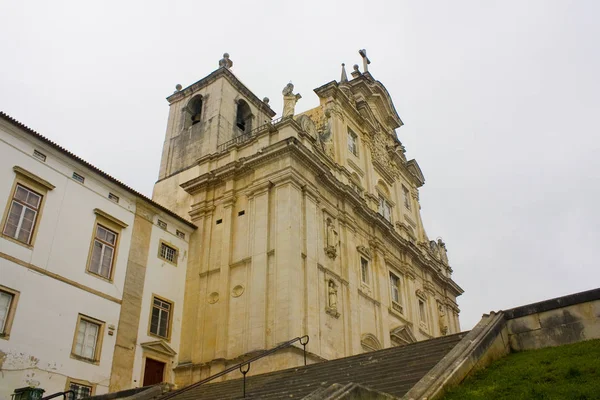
(393, 371)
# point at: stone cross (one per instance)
(366, 61)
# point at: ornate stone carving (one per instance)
(225, 61)
(443, 251)
(442, 319)
(379, 146)
(326, 138)
(213, 298)
(332, 299)
(435, 250)
(308, 125)
(421, 294)
(331, 239)
(237, 291)
(365, 250)
(289, 100)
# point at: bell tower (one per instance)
(206, 114)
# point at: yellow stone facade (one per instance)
(307, 225)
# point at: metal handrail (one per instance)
(63, 394)
(246, 136)
(243, 364)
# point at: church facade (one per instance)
(306, 225)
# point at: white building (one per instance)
(92, 273)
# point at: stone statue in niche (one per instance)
(443, 321)
(326, 137)
(289, 100)
(332, 298)
(331, 240)
(331, 307)
(443, 251)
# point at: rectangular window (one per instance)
(364, 271)
(161, 317)
(103, 252)
(395, 288)
(422, 312)
(87, 339)
(406, 194)
(352, 142)
(78, 178)
(168, 253)
(180, 234)
(6, 300)
(81, 391)
(113, 197)
(8, 307)
(22, 214)
(39, 155)
(385, 208)
(162, 224)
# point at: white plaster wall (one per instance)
(42, 333)
(40, 341)
(167, 281)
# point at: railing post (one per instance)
(244, 373)
(304, 346)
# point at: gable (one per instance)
(160, 347)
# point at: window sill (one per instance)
(11, 239)
(95, 275)
(85, 359)
(167, 261)
(397, 309)
(165, 338)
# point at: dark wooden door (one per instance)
(154, 372)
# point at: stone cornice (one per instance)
(301, 153)
(231, 78)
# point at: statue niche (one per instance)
(326, 136)
(332, 299)
(331, 239)
(443, 321)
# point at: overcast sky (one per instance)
(500, 101)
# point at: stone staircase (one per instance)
(390, 371)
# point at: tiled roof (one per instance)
(81, 161)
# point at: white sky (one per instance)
(499, 101)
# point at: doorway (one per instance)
(153, 372)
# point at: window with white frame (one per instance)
(406, 194)
(364, 270)
(161, 317)
(86, 339)
(22, 215)
(6, 300)
(385, 208)
(103, 252)
(168, 253)
(352, 142)
(80, 391)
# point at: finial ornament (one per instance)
(366, 61)
(266, 100)
(289, 100)
(178, 88)
(344, 77)
(225, 61)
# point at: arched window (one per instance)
(243, 117)
(194, 110)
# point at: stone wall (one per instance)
(555, 322)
